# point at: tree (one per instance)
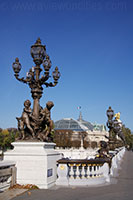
(128, 137)
(6, 138)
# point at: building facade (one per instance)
(71, 133)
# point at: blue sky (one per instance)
(91, 41)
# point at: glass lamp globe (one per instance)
(47, 64)
(16, 66)
(38, 52)
(56, 74)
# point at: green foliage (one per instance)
(6, 138)
(128, 137)
(113, 134)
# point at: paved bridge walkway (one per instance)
(121, 188)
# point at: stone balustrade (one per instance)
(88, 172)
(117, 156)
(7, 174)
(80, 172)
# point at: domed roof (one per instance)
(78, 125)
(85, 123)
(70, 124)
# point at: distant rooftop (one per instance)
(78, 125)
(85, 123)
(70, 124)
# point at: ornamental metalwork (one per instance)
(36, 123)
(115, 127)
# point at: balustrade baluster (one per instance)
(80, 170)
(93, 171)
(88, 170)
(71, 172)
(83, 171)
(77, 173)
(97, 170)
(74, 170)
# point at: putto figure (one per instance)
(24, 120)
(36, 123)
(46, 122)
(32, 128)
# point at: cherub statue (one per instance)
(46, 122)
(24, 120)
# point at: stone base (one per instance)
(87, 182)
(35, 162)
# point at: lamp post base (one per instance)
(35, 163)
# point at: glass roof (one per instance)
(70, 124)
(78, 125)
(85, 123)
(88, 125)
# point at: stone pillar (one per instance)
(35, 162)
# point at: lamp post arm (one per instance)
(50, 84)
(43, 79)
(21, 79)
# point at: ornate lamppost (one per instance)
(36, 123)
(115, 126)
(110, 115)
